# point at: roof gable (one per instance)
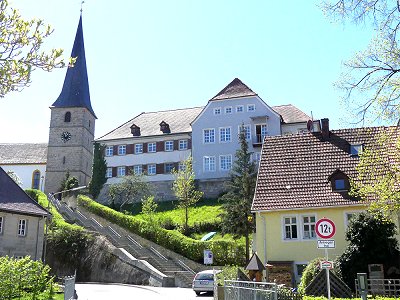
(14, 199)
(294, 170)
(235, 89)
(291, 114)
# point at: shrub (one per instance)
(309, 274)
(225, 252)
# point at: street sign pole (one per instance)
(326, 229)
(328, 282)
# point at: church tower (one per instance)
(72, 122)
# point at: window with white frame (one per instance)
(169, 145)
(121, 149)
(225, 134)
(151, 147)
(209, 163)
(225, 162)
(109, 151)
(181, 166)
(251, 107)
(151, 169)
(138, 148)
(169, 167)
(138, 169)
(309, 227)
(1, 224)
(290, 228)
(247, 131)
(22, 227)
(228, 109)
(209, 136)
(349, 216)
(121, 171)
(183, 144)
(261, 132)
(109, 173)
(239, 108)
(217, 111)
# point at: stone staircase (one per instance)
(177, 268)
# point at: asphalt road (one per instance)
(121, 292)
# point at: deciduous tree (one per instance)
(131, 189)
(20, 49)
(185, 189)
(371, 79)
(237, 218)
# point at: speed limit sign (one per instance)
(325, 228)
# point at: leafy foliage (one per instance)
(98, 171)
(225, 252)
(373, 74)
(236, 203)
(68, 183)
(371, 241)
(378, 174)
(131, 189)
(22, 277)
(149, 207)
(20, 49)
(309, 273)
(185, 189)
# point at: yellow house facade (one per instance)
(303, 178)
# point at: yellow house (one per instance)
(303, 178)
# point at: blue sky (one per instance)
(157, 55)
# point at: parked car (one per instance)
(204, 281)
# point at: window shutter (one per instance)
(176, 144)
(144, 147)
(176, 166)
(189, 143)
(114, 171)
(144, 168)
(159, 168)
(115, 150)
(127, 170)
(160, 146)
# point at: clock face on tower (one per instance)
(65, 136)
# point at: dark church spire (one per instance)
(75, 91)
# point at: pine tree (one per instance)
(237, 218)
(98, 171)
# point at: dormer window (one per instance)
(356, 149)
(339, 181)
(164, 127)
(135, 130)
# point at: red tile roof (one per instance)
(294, 170)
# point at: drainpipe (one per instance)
(37, 238)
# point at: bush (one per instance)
(22, 277)
(309, 274)
(225, 252)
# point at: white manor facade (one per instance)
(155, 143)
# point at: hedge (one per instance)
(225, 252)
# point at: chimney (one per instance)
(325, 129)
(135, 130)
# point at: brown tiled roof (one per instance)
(234, 89)
(294, 170)
(13, 199)
(178, 120)
(26, 153)
(291, 114)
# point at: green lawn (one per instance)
(55, 297)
